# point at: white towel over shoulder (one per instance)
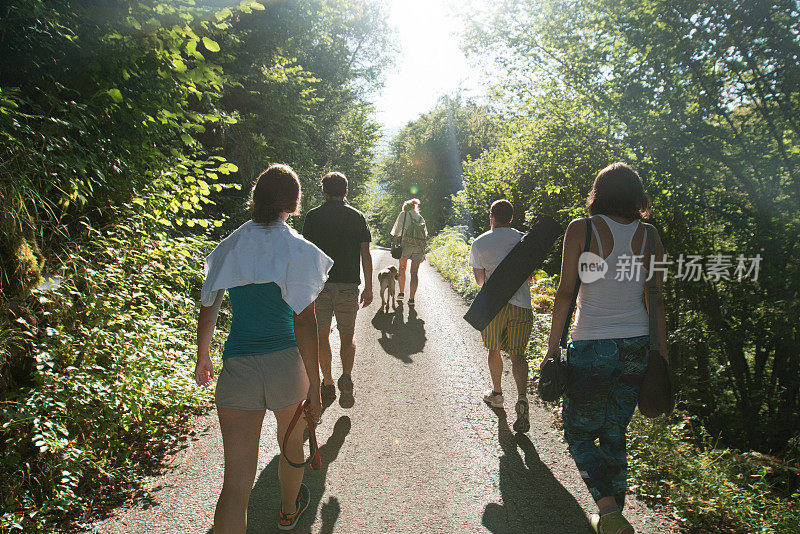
(255, 254)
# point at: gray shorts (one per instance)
(413, 254)
(273, 381)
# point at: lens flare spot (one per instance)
(413, 189)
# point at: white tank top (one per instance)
(612, 308)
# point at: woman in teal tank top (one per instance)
(270, 359)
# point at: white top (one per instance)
(255, 254)
(489, 249)
(412, 217)
(612, 307)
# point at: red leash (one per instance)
(314, 459)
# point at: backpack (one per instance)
(416, 234)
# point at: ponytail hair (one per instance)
(275, 191)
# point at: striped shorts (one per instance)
(510, 330)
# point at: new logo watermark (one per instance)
(591, 267)
(689, 267)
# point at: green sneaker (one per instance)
(613, 523)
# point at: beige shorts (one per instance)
(273, 381)
(340, 301)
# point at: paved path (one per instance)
(418, 453)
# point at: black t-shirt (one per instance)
(339, 229)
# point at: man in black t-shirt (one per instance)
(341, 232)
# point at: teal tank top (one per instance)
(262, 321)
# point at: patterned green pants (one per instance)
(598, 405)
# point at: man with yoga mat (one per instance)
(510, 330)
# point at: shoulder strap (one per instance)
(652, 292)
(403, 229)
(567, 322)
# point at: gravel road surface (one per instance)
(419, 452)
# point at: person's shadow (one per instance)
(533, 500)
(262, 510)
(398, 338)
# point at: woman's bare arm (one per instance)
(566, 285)
(204, 369)
(305, 331)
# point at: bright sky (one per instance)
(429, 65)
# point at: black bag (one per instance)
(656, 393)
(553, 378)
(397, 250)
(516, 267)
(554, 374)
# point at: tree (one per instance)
(426, 159)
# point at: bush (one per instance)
(710, 489)
(448, 252)
(114, 353)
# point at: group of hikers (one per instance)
(285, 289)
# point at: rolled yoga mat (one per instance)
(525, 258)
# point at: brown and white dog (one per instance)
(386, 278)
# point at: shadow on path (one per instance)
(533, 500)
(398, 338)
(262, 510)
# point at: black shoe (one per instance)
(346, 399)
(523, 422)
(328, 394)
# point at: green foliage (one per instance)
(111, 345)
(449, 251)
(426, 162)
(114, 356)
(703, 99)
(305, 102)
(711, 490)
(94, 102)
(542, 165)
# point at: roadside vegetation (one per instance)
(673, 461)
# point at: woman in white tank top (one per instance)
(608, 353)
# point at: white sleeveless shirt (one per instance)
(612, 307)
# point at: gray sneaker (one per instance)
(493, 399)
(346, 399)
(328, 393)
(523, 422)
(613, 523)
